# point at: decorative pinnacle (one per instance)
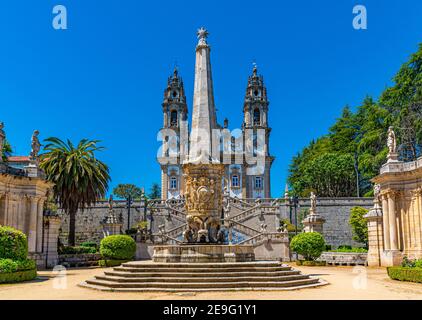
(202, 36)
(255, 68)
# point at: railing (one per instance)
(243, 228)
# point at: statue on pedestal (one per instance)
(35, 146)
(391, 141)
(313, 203)
(392, 146)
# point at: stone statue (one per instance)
(313, 203)
(35, 146)
(220, 235)
(377, 190)
(110, 203)
(2, 139)
(202, 36)
(391, 141)
(247, 118)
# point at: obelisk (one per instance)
(202, 174)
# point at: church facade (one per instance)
(240, 179)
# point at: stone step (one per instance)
(203, 285)
(142, 280)
(198, 290)
(202, 270)
(198, 275)
(156, 265)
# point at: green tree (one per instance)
(155, 191)
(79, 178)
(359, 225)
(7, 150)
(124, 191)
(361, 134)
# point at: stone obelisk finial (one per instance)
(203, 115)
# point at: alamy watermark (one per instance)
(60, 19)
(360, 21)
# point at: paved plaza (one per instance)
(344, 283)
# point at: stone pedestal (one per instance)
(110, 229)
(33, 171)
(203, 196)
(203, 253)
(313, 223)
(375, 235)
(51, 235)
(390, 258)
(392, 157)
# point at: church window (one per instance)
(256, 117)
(174, 94)
(258, 183)
(173, 183)
(235, 181)
(173, 118)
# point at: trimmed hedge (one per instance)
(111, 263)
(118, 247)
(354, 250)
(90, 244)
(9, 265)
(13, 244)
(310, 245)
(310, 263)
(18, 276)
(77, 250)
(405, 274)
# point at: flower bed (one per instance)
(405, 274)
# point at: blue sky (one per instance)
(103, 78)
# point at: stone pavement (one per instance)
(345, 283)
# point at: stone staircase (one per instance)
(141, 276)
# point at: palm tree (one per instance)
(79, 178)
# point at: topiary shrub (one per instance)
(118, 247)
(405, 274)
(310, 245)
(13, 244)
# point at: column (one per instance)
(417, 222)
(32, 230)
(392, 219)
(164, 183)
(40, 214)
(2, 209)
(385, 222)
(419, 212)
(6, 209)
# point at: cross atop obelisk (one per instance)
(203, 115)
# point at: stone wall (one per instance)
(336, 212)
(88, 222)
